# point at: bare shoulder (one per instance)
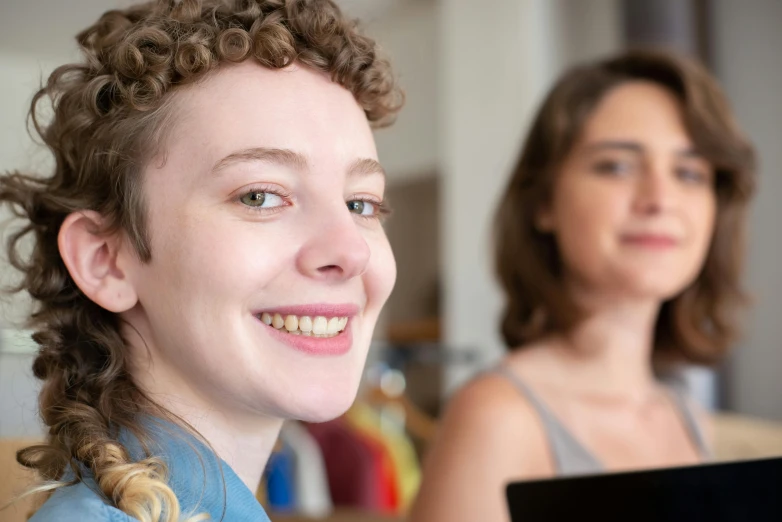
(488, 436)
(492, 414)
(490, 401)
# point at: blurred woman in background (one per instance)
(619, 244)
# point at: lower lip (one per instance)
(329, 346)
(651, 242)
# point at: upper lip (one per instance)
(314, 310)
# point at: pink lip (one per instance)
(330, 346)
(653, 241)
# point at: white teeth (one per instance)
(278, 322)
(319, 325)
(305, 324)
(333, 325)
(291, 323)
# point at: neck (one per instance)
(243, 439)
(244, 442)
(612, 349)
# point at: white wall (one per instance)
(18, 397)
(18, 388)
(748, 60)
(21, 74)
(495, 66)
(408, 35)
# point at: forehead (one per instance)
(247, 105)
(639, 110)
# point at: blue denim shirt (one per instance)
(202, 482)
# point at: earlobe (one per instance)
(91, 258)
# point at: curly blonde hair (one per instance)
(110, 113)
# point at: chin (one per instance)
(326, 410)
(321, 403)
(662, 288)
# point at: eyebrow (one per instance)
(638, 148)
(365, 167)
(280, 156)
(295, 160)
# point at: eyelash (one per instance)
(612, 167)
(383, 210)
(693, 175)
(266, 189)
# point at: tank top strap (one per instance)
(569, 455)
(690, 420)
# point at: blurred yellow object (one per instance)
(406, 467)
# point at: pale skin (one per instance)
(267, 195)
(633, 213)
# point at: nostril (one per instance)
(329, 268)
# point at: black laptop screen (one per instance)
(739, 491)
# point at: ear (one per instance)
(93, 260)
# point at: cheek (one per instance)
(706, 214)
(702, 215)
(217, 259)
(587, 219)
(380, 275)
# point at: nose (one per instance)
(655, 192)
(336, 250)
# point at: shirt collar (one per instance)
(202, 481)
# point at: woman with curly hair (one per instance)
(207, 258)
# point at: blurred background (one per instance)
(474, 73)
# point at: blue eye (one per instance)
(362, 208)
(259, 199)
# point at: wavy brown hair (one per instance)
(700, 323)
(111, 112)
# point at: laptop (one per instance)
(727, 492)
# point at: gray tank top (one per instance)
(572, 458)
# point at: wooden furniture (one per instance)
(14, 479)
(741, 438)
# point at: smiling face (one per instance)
(634, 206)
(269, 261)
